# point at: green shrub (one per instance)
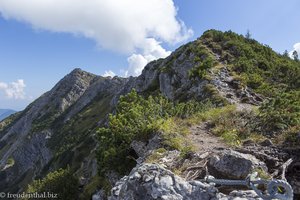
(61, 182)
(156, 155)
(204, 60)
(230, 124)
(280, 113)
(10, 162)
(257, 64)
(136, 118)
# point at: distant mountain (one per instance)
(5, 113)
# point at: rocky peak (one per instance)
(80, 74)
(71, 87)
(76, 70)
(31, 139)
(58, 129)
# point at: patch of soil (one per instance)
(203, 140)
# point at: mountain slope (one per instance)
(43, 131)
(59, 128)
(5, 113)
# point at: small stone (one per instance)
(166, 181)
(248, 143)
(229, 95)
(266, 143)
(147, 178)
(136, 175)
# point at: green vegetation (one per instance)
(295, 56)
(280, 116)
(228, 123)
(258, 66)
(7, 122)
(281, 113)
(61, 182)
(262, 174)
(80, 126)
(156, 155)
(214, 96)
(268, 73)
(10, 162)
(204, 60)
(174, 57)
(43, 122)
(175, 131)
(235, 126)
(137, 118)
(94, 184)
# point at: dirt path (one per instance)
(203, 140)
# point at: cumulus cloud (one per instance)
(109, 73)
(121, 25)
(296, 47)
(136, 64)
(128, 26)
(151, 51)
(13, 90)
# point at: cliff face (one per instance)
(40, 135)
(58, 129)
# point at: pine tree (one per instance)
(285, 53)
(248, 34)
(295, 55)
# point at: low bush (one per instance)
(61, 182)
(137, 118)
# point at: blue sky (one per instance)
(38, 48)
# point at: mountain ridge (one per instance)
(58, 129)
(5, 113)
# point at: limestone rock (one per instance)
(142, 149)
(233, 165)
(151, 181)
(99, 195)
(266, 143)
(243, 195)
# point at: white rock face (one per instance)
(151, 181)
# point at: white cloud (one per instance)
(109, 73)
(136, 64)
(152, 50)
(128, 26)
(14, 90)
(296, 47)
(121, 25)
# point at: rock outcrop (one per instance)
(234, 165)
(34, 138)
(151, 181)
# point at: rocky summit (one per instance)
(222, 105)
